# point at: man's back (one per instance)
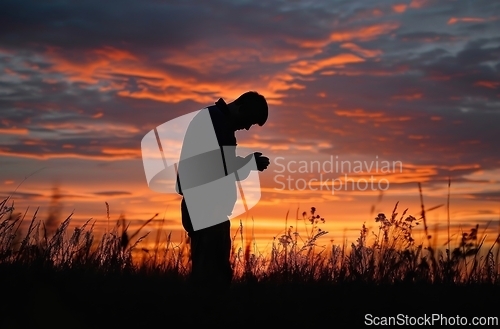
(209, 192)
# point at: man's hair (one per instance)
(256, 103)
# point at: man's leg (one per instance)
(225, 252)
(210, 252)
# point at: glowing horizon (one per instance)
(412, 83)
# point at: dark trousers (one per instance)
(210, 254)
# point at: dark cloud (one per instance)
(22, 196)
(414, 39)
(113, 193)
(488, 196)
(152, 24)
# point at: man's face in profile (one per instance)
(244, 119)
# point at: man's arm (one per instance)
(237, 164)
(243, 166)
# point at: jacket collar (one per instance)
(221, 104)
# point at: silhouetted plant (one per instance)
(388, 255)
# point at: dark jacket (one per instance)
(208, 157)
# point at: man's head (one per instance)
(249, 109)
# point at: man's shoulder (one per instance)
(220, 122)
(215, 116)
(212, 110)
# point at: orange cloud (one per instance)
(225, 60)
(364, 33)
(114, 54)
(157, 84)
(462, 167)
(488, 84)
(408, 97)
(38, 142)
(419, 3)
(9, 71)
(395, 172)
(362, 116)
(311, 66)
(361, 51)
(399, 8)
(120, 130)
(417, 137)
(14, 131)
(358, 113)
(13, 73)
(107, 154)
(130, 153)
(454, 20)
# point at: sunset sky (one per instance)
(414, 83)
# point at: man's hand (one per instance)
(262, 161)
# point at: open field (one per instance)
(74, 279)
(80, 299)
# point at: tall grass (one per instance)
(389, 255)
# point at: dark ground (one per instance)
(77, 299)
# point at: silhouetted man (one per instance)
(208, 173)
